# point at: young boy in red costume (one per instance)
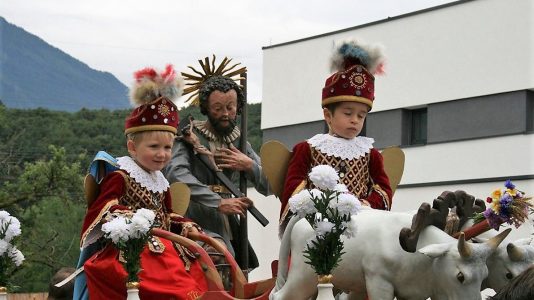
(168, 271)
(348, 96)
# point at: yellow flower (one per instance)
(512, 192)
(496, 194)
(496, 207)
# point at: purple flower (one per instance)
(506, 205)
(506, 199)
(494, 220)
(509, 185)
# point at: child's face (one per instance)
(347, 119)
(152, 151)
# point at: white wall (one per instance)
(471, 159)
(469, 49)
(264, 240)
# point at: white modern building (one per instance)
(457, 97)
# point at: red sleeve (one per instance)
(380, 192)
(111, 189)
(297, 172)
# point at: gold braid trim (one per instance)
(97, 220)
(175, 215)
(299, 188)
(193, 295)
(120, 213)
(121, 257)
(384, 195)
(183, 255)
(155, 245)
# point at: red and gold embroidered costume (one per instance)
(360, 168)
(168, 270)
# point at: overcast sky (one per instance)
(121, 36)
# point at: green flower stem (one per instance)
(131, 251)
(3, 270)
(324, 253)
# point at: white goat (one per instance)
(375, 264)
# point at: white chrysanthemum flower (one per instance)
(316, 193)
(340, 187)
(309, 242)
(13, 228)
(3, 247)
(148, 214)
(323, 227)
(302, 204)
(117, 230)
(324, 177)
(16, 256)
(3, 215)
(350, 231)
(139, 226)
(346, 204)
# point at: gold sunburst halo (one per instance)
(209, 68)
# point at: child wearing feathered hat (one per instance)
(168, 271)
(347, 97)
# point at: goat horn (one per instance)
(408, 236)
(464, 248)
(516, 253)
(496, 240)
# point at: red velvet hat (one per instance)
(153, 94)
(354, 79)
(160, 114)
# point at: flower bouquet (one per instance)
(328, 208)
(9, 254)
(506, 206)
(130, 233)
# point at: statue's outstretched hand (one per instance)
(233, 159)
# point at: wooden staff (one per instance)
(243, 226)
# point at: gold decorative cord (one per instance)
(209, 69)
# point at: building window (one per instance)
(418, 126)
(364, 129)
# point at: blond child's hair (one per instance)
(137, 137)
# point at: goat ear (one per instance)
(435, 250)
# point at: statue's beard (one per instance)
(222, 129)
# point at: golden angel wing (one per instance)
(393, 165)
(274, 161)
(180, 196)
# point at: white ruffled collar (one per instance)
(152, 181)
(340, 147)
